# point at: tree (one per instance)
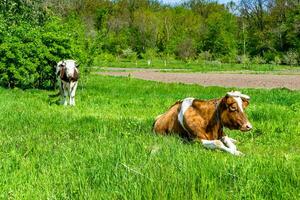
(221, 31)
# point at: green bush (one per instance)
(104, 58)
(186, 50)
(269, 56)
(29, 53)
(277, 60)
(205, 56)
(291, 58)
(129, 54)
(258, 60)
(229, 58)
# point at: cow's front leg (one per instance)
(73, 87)
(217, 144)
(232, 140)
(228, 142)
(64, 93)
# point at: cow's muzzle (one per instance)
(246, 127)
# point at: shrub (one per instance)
(129, 54)
(205, 55)
(269, 56)
(277, 60)
(186, 50)
(290, 58)
(243, 59)
(258, 60)
(105, 58)
(28, 54)
(229, 58)
(149, 55)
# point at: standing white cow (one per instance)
(68, 74)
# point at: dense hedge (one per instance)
(29, 52)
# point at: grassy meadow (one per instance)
(104, 147)
(197, 66)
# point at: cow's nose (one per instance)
(247, 127)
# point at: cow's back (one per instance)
(168, 122)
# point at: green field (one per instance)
(198, 66)
(104, 148)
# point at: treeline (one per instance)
(260, 31)
(250, 31)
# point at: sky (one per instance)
(179, 1)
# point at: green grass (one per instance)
(200, 66)
(104, 148)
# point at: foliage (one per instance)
(205, 55)
(291, 58)
(105, 58)
(28, 55)
(104, 147)
(34, 35)
(186, 50)
(258, 60)
(128, 53)
(221, 29)
(31, 43)
(170, 63)
(149, 54)
(277, 60)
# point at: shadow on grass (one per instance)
(54, 99)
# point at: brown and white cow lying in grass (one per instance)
(68, 74)
(204, 120)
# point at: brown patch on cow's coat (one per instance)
(167, 123)
(64, 77)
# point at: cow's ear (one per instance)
(245, 102)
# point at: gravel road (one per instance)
(214, 79)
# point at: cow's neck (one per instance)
(211, 110)
(215, 126)
(217, 123)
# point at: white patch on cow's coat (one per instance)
(73, 87)
(70, 67)
(65, 88)
(228, 142)
(238, 98)
(217, 144)
(239, 102)
(186, 103)
(238, 94)
(232, 140)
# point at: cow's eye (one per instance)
(232, 108)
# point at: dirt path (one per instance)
(215, 79)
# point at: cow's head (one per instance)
(232, 111)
